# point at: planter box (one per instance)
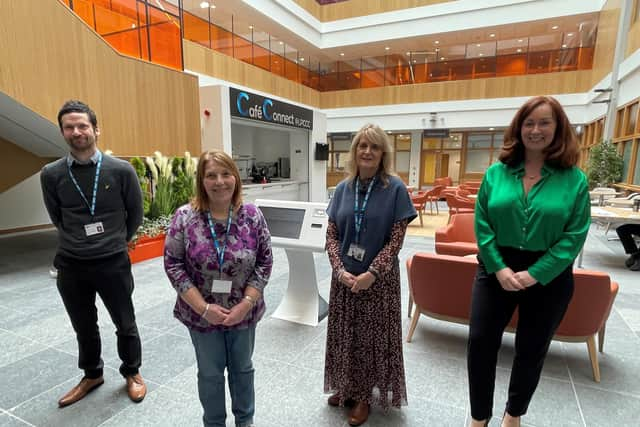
(147, 248)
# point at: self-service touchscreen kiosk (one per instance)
(300, 228)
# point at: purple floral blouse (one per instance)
(190, 259)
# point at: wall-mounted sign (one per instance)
(251, 106)
(435, 133)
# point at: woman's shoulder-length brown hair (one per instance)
(200, 202)
(562, 153)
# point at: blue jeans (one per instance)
(216, 351)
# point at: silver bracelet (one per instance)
(204, 313)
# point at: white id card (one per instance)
(220, 286)
(93, 228)
(356, 252)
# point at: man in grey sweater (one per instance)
(95, 202)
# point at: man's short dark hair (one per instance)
(75, 106)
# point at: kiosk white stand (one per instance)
(300, 228)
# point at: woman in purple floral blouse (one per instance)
(218, 258)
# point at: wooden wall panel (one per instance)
(353, 8)
(49, 56)
(633, 38)
(606, 42)
(206, 61)
(17, 164)
(499, 87)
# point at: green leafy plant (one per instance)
(143, 179)
(605, 165)
(167, 183)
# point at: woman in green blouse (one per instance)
(531, 219)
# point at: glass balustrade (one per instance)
(152, 31)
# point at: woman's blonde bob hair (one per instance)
(376, 136)
(201, 200)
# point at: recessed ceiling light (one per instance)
(519, 50)
(408, 53)
(204, 5)
(341, 53)
(387, 48)
(477, 44)
(213, 6)
(482, 54)
(520, 40)
(555, 27)
(302, 59)
(281, 43)
(492, 35)
(569, 34)
(442, 58)
(564, 45)
(251, 27)
(133, 25)
(492, 128)
(414, 61)
(437, 42)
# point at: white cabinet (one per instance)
(273, 191)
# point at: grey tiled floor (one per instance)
(38, 356)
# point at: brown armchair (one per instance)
(458, 237)
(440, 286)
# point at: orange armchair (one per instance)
(433, 196)
(419, 202)
(440, 286)
(446, 181)
(458, 237)
(459, 204)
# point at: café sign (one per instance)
(252, 106)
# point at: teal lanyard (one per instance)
(358, 213)
(220, 250)
(92, 206)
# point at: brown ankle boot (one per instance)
(359, 414)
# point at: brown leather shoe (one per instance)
(136, 388)
(79, 391)
(334, 400)
(359, 414)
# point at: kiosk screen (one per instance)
(283, 222)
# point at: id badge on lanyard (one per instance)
(93, 228)
(355, 250)
(220, 285)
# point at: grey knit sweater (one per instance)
(118, 206)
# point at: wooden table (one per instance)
(613, 216)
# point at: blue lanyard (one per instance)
(92, 206)
(358, 213)
(219, 250)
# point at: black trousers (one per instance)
(625, 233)
(78, 283)
(540, 310)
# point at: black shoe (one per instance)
(632, 259)
(636, 265)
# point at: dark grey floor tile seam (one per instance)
(572, 382)
(573, 388)
(168, 387)
(46, 346)
(625, 322)
(301, 353)
(441, 403)
(15, 417)
(591, 385)
(542, 376)
(73, 380)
